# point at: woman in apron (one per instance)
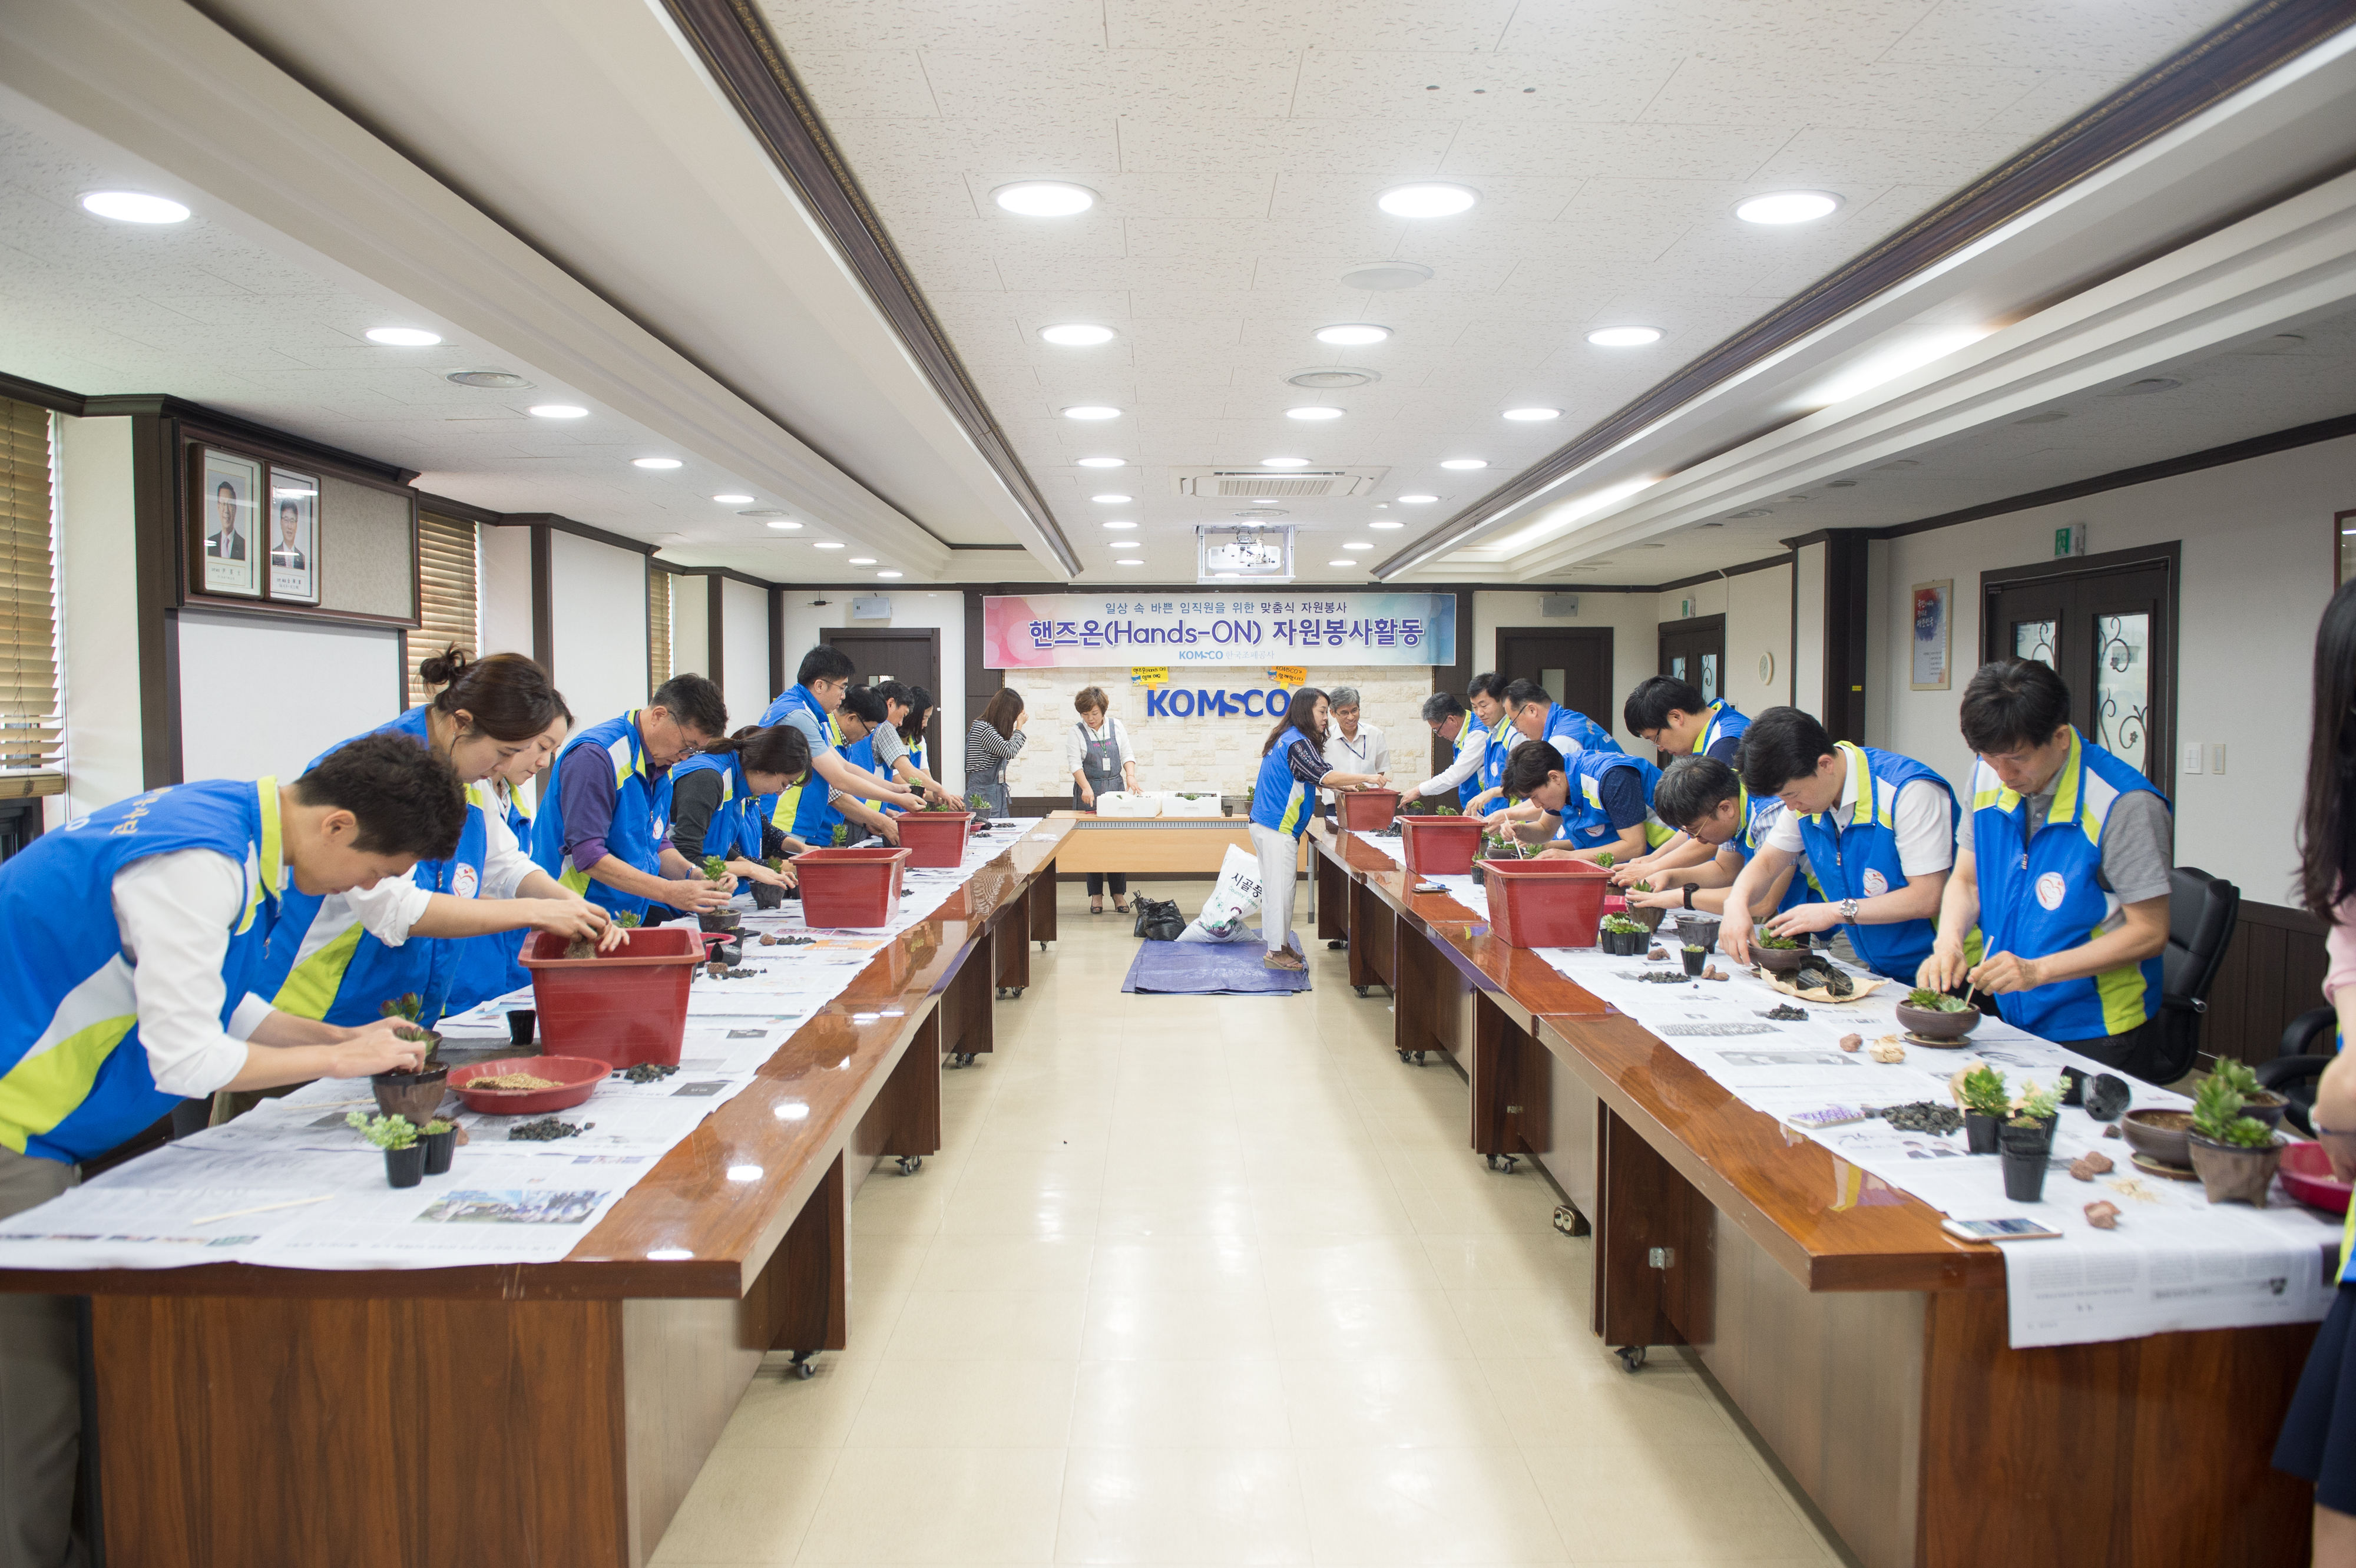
(1098, 755)
(990, 745)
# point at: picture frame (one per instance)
(226, 556)
(1931, 660)
(291, 537)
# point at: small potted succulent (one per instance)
(1622, 938)
(843, 833)
(2025, 1141)
(1644, 914)
(1695, 955)
(2258, 1104)
(415, 1095)
(2234, 1154)
(1606, 859)
(1986, 1102)
(1935, 1015)
(1495, 846)
(404, 1157)
(767, 895)
(715, 870)
(1777, 955)
(439, 1139)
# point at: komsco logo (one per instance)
(1199, 703)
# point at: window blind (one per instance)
(29, 721)
(448, 612)
(658, 628)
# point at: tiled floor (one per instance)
(1214, 1280)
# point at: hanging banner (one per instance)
(1034, 631)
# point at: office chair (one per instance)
(2202, 909)
(2306, 1049)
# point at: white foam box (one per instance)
(1122, 803)
(1174, 803)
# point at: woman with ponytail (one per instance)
(722, 798)
(491, 966)
(345, 958)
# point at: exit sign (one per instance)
(2070, 541)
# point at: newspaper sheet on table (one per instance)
(291, 1184)
(2175, 1263)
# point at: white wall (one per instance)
(744, 647)
(503, 556)
(1758, 611)
(1807, 658)
(1635, 621)
(600, 600)
(2256, 539)
(690, 624)
(265, 695)
(942, 608)
(97, 632)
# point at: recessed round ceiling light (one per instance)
(1263, 500)
(1416, 501)
(1284, 462)
(862, 561)
(1353, 334)
(1091, 411)
(1043, 197)
(1128, 563)
(1357, 544)
(134, 207)
(404, 337)
(563, 410)
(826, 544)
(1120, 523)
(1386, 525)
(1076, 335)
(1111, 500)
(1428, 199)
(786, 523)
(501, 380)
(1313, 412)
(1623, 337)
(654, 462)
(1463, 463)
(1345, 561)
(887, 573)
(1530, 416)
(1787, 206)
(733, 501)
(1103, 462)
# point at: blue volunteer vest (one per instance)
(492, 964)
(785, 807)
(736, 826)
(1727, 721)
(74, 1081)
(1570, 723)
(323, 964)
(1859, 858)
(815, 821)
(1585, 822)
(1757, 817)
(2040, 901)
(1470, 737)
(1499, 743)
(1278, 799)
(640, 811)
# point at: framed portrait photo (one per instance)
(1933, 632)
(229, 496)
(290, 537)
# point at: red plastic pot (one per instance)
(845, 887)
(1545, 903)
(1365, 811)
(934, 838)
(1439, 847)
(624, 1007)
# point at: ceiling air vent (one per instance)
(1330, 378)
(1257, 484)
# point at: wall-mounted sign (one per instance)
(1039, 630)
(1149, 675)
(1289, 675)
(1203, 703)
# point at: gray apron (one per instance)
(1099, 762)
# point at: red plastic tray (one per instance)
(934, 839)
(2306, 1176)
(848, 887)
(577, 1078)
(1367, 811)
(624, 1007)
(1545, 903)
(1439, 847)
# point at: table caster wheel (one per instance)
(1570, 1221)
(911, 1164)
(1631, 1357)
(1418, 1058)
(1042, 947)
(1019, 991)
(1406, 1057)
(1504, 1162)
(804, 1364)
(966, 1059)
(1359, 989)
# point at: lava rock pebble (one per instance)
(649, 1072)
(1923, 1116)
(2103, 1215)
(1852, 1042)
(1784, 1012)
(547, 1130)
(2087, 1166)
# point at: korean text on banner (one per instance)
(1154, 676)
(1292, 677)
(1044, 630)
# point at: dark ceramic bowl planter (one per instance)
(415, 1095)
(1933, 1023)
(439, 1147)
(405, 1167)
(2266, 1107)
(1650, 918)
(2162, 1136)
(1697, 928)
(521, 1025)
(1980, 1131)
(2025, 1153)
(1778, 961)
(1695, 958)
(2231, 1174)
(767, 896)
(2105, 1095)
(719, 920)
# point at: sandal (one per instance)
(1118, 908)
(1095, 906)
(1287, 960)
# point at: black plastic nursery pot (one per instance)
(1980, 1131)
(719, 920)
(767, 897)
(1695, 958)
(416, 1095)
(521, 1025)
(2026, 1153)
(1625, 944)
(405, 1167)
(440, 1148)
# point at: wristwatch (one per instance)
(1848, 911)
(1689, 893)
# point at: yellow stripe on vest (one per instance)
(311, 985)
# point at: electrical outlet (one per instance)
(2217, 756)
(2192, 759)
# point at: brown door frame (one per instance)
(929, 639)
(2168, 558)
(1595, 634)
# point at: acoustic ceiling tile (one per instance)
(1370, 233)
(1824, 156)
(1410, 151)
(1003, 234)
(933, 23)
(2058, 97)
(1514, 90)
(1647, 151)
(1862, 29)
(1040, 147)
(1827, 91)
(1126, 273)
(1322, 201)
(2115, 39)
(1433, 26)
(867, 82)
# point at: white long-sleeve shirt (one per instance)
(393, 905)
(175, 912)
(1467, 762)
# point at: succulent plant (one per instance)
(384, 1132)
(1983, 1091)
(2036, 1104)
(2217, 1115)
(715, 868)
(1926, 999)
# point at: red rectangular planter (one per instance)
(935, 839)
(1365, 811)
(1439, 847)
(625, 1007)
(1545, 903)
(843, 887)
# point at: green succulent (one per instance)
(843, 831)
(978, 802)
(1606, 859)
(2217, 1107)
(1923, 999)
(1763, 937)
(1983, 1091)
(625, 919)
(2038, 1103)
(407, 1006)
(2244, 1078)
(384, 1132)
(1622, 924)
(715, 868)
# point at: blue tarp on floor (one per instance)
(1211, 969)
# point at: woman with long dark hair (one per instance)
(722, 797)
(899, 744)
(1292, 768)
(992, 742)
(491, 965)
(2319, 1437)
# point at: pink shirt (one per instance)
(2340, 950)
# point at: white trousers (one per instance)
(1280, 859)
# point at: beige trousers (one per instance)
(40, 1396)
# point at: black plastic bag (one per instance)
(1158, 921)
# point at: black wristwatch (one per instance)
(1689, 893)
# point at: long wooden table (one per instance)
(1866, 1347)
(551, 1414)
(1143, 846)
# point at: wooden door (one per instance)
(2109, 631)
(911, 656)
(1694, 652)
(1574, 664)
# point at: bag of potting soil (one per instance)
(1233, 899)
(1158, 919)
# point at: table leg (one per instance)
(1039, 907)
(968, 1026)
(1330, 892)
(1512, 1079)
